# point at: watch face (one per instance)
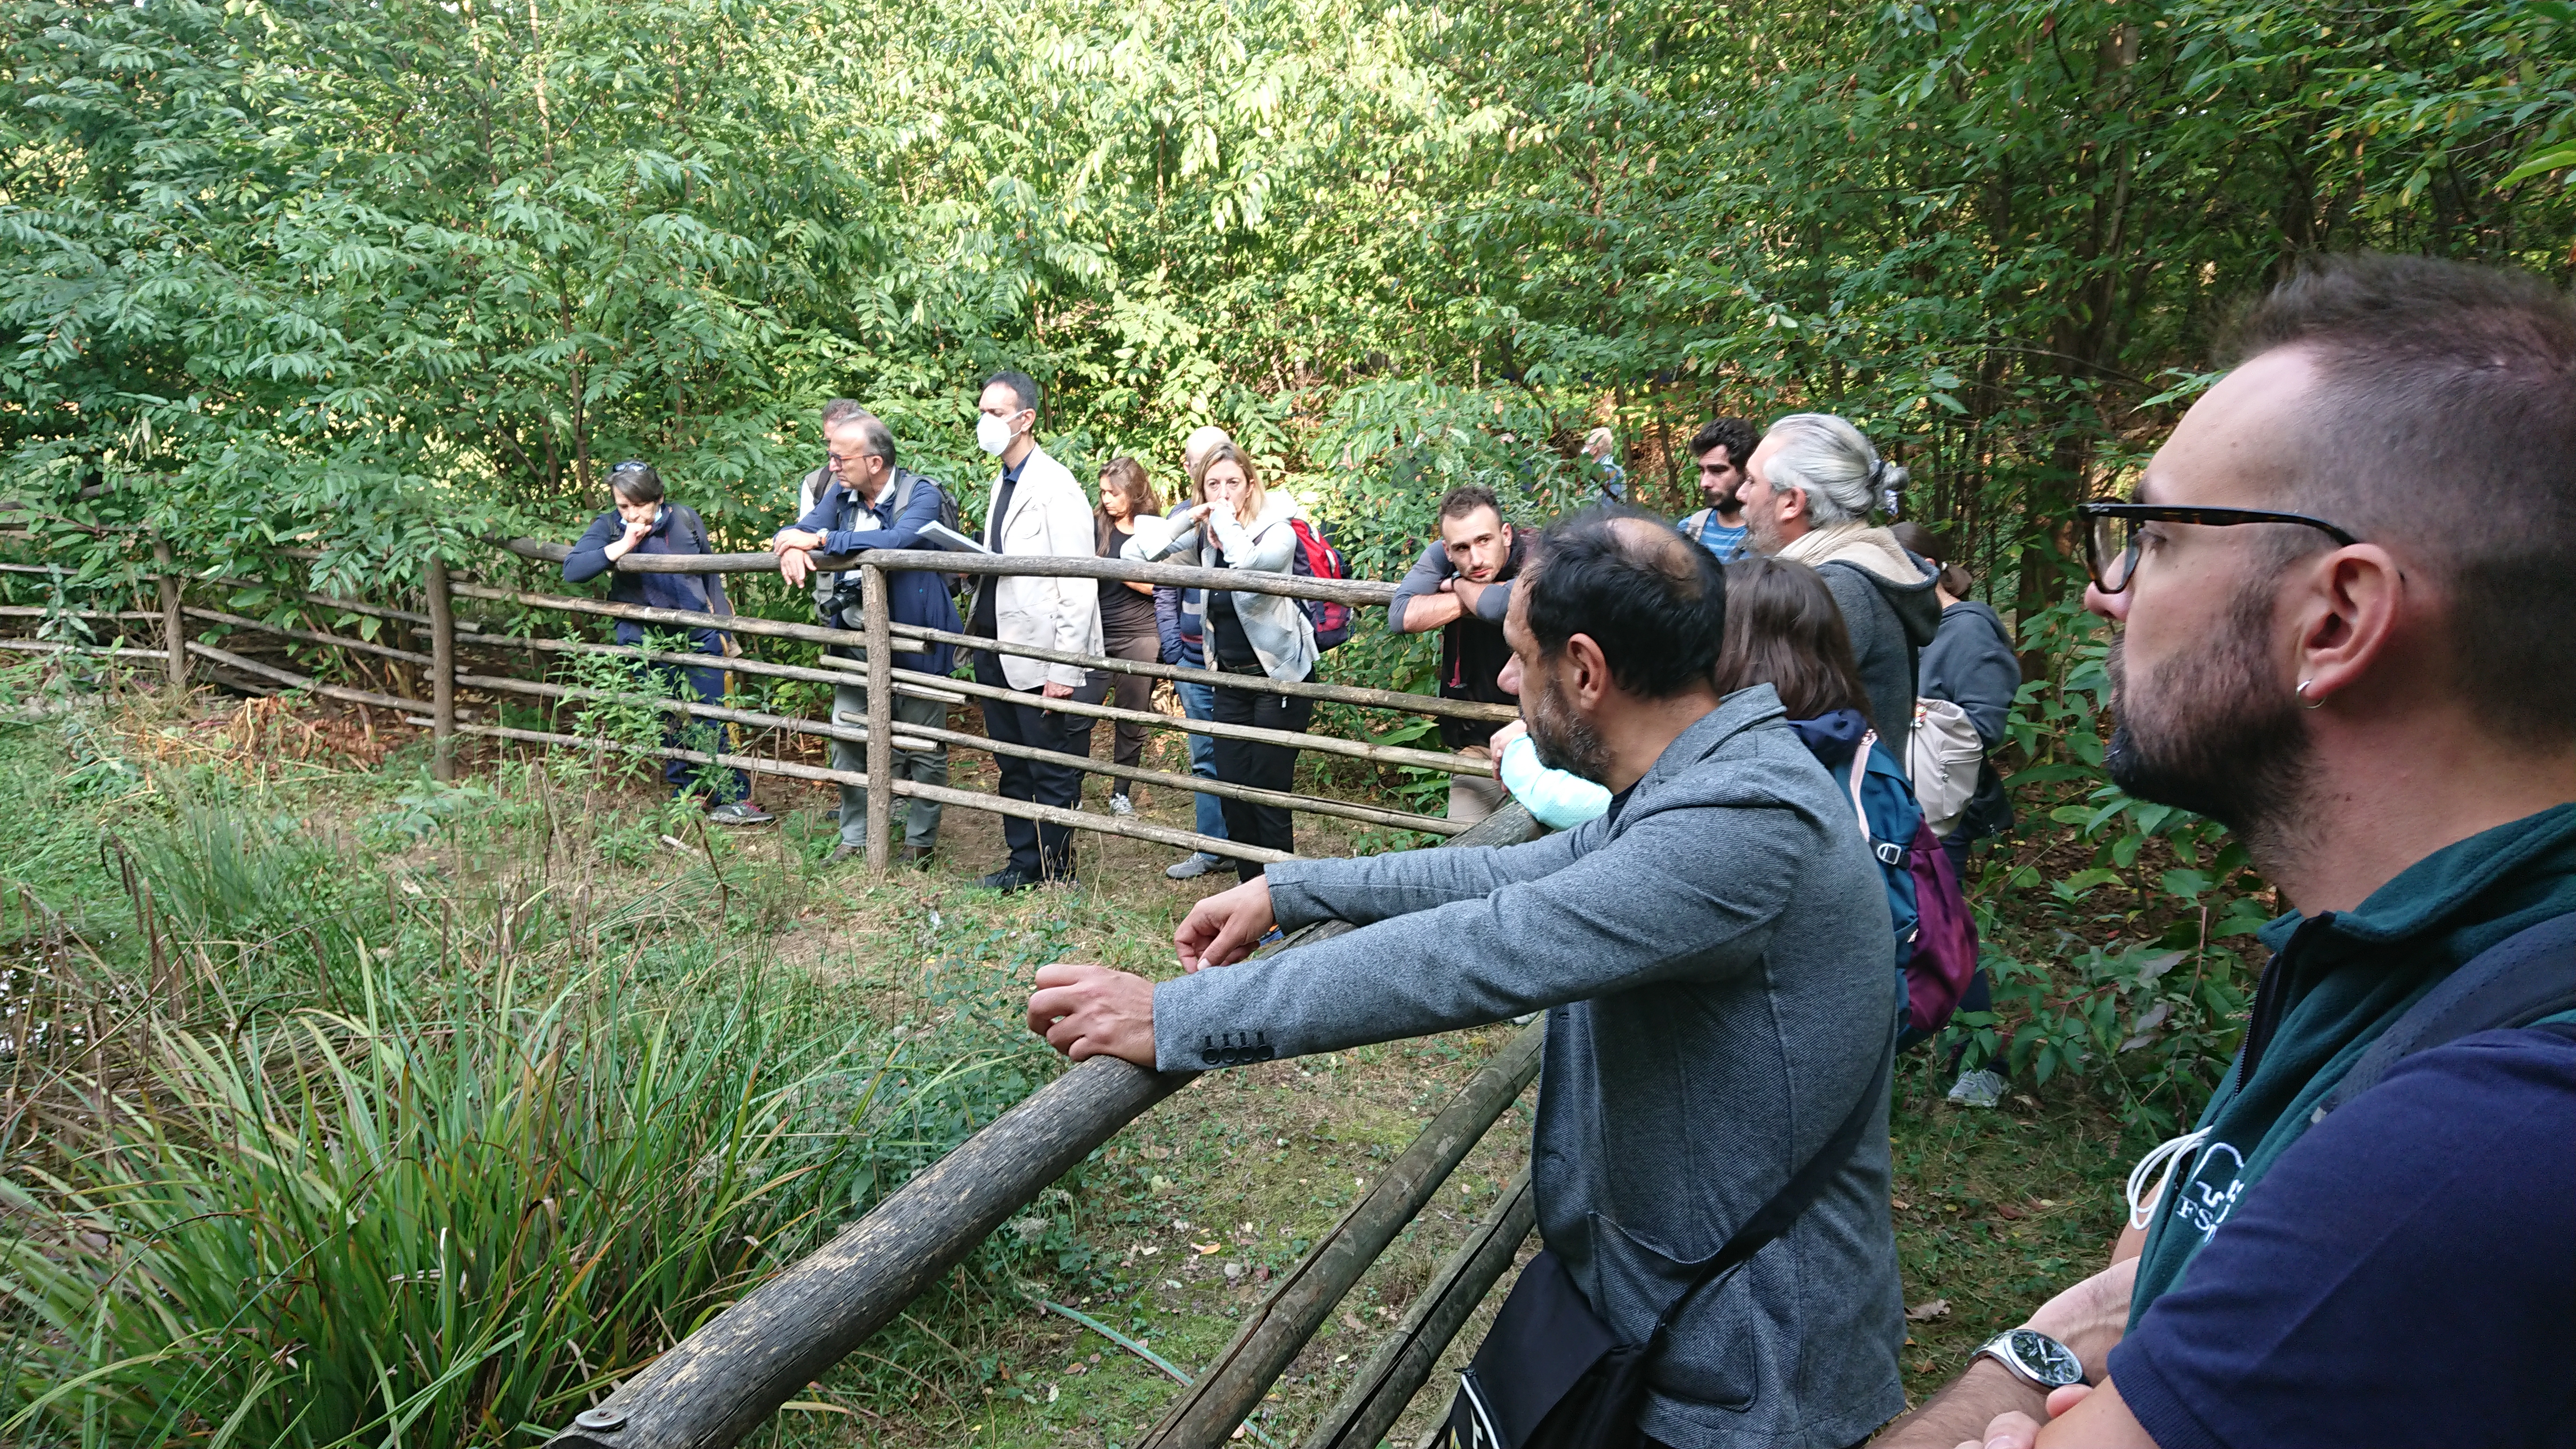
(2046, 1358)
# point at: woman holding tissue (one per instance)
(1127, 609)
(1241, 526)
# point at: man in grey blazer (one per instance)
(1712, 955)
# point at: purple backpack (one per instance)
(1945, 938)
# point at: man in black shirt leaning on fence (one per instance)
(1462, 587)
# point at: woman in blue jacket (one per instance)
(642, 522)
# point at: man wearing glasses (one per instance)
(871, 503)
(2341, 603)
(643, 522)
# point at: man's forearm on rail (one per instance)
(1960, 1412)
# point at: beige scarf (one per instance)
(1874, 549)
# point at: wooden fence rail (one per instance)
(722, 1381)
(447, 634)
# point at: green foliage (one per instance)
(388, 277)
(373, 281)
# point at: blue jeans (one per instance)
(1198, 701)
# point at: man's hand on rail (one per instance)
(1085, 1010)
(794, 547)
(1224, 928)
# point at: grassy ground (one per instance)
(1172, 1232)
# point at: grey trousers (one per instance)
(1473, 797)
(925, 767)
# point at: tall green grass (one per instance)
(305, 1171)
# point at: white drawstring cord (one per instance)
(2169, 1155)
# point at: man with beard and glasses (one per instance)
(1712, 955)
(2341, 598)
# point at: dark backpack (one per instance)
(1936, 936)
(1316, 558)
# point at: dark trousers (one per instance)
(1267, 767)
(688, 732)
(1039, 850)
(1133, 691)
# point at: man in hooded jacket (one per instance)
(1807, 492)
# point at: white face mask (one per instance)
(992, 434)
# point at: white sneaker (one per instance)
(739, 812)
(1119, 804)
(1192, 866)
(1980, 1088)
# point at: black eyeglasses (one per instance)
(2111, 540)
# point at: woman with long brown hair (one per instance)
(1127, 609)
(1264, 637)
(1784, 629)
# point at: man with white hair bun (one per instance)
(1807, 492)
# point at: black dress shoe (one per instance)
(1006, 880)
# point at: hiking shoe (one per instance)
(739, 812)
(916, 857)
(1192, 866)
(1980, 1088)
(1119, 804)
(1006, 880)
(845, 852)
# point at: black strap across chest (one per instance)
(2528, 975)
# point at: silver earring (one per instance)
(2302, 693)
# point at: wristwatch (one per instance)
(2034, 1358)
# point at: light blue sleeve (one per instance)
(1560, 800)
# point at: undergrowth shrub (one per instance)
(421, 1152)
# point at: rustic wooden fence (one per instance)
(724, 1380)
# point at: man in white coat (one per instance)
(1037, 508)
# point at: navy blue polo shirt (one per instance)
(2404, 1275)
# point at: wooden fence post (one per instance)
(174, 628)
(880, 767)
(442, 672)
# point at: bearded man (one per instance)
(2341, 599)
(1712, 956)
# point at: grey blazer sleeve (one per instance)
(1375, 887)
(1685, 894)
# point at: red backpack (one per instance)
(1316, 558)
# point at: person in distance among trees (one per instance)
(1462, 586)
(1602, 447)
(2340, 602)
(1720, 447)
(1713, 955)
(643, 521)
